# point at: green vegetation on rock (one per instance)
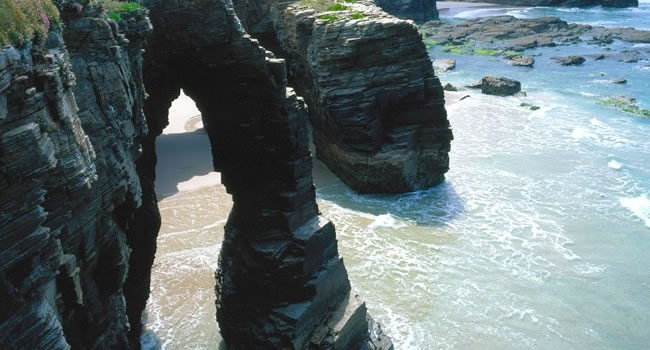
(116, 8)
(627, 105)
(529, 106)
(25, 20)
(329, 17)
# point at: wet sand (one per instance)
(452, 8)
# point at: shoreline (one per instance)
(452, 8)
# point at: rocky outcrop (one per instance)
(499, 86)
(417, 10)
(522, 61)
(67, 174)
(564, 3)
(511, 33)
(375, 105)
(569, 60)
(280, 283)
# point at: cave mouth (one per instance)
(194, 207)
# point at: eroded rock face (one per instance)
(281, 283)
(417, 10)
(376, 107)
(67, 173)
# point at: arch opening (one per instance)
(193, 208)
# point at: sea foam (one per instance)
(639, 206)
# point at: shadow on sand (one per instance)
(180, 158)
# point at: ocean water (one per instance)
(609, 17)
(538, 238)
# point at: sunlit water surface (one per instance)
(539, 237)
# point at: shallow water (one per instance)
(609, 17)
(538, 238)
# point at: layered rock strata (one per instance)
(67, 174)
(417, 10)
(564, 3)
(281, 283)
(375, 105)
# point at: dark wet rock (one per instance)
(465, 97)
(444, 64)
(599, 57)
(499, 86)
(449, 87)
(629, 56)
(522, 61)
(417, 10)
(69, 139)
(619, 81)
(569, 60)
(281, 283)
(78, 211)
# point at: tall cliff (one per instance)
(375, 105)
(67, 153)
(79, 214)
(565, 3)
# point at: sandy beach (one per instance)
(184, 158)
(452, 8)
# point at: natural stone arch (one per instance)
(281, 283)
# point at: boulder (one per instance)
(449, 87)
(619, 81)
(475, 85)
(569, 60)
(499, 86)
(522, 61)
(444, 64)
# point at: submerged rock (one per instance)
(444, 64)
(569, 60)
(500, 86)
(619, 81)
(449, 87)
(522, 61)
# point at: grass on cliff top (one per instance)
(326, 5)
(116, 8)
(25, 20)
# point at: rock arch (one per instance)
(280, 283)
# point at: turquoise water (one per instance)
(628, 17)
(539, 237)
